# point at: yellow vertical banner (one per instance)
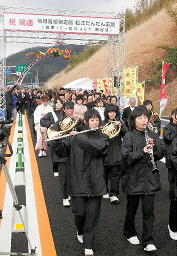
(130, 77)
(106, 84)
(140, 89)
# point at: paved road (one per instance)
(109, 238)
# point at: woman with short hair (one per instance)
(141, 147)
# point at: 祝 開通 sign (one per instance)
(61, 24)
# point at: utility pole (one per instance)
(37, 79)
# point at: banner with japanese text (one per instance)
(106, 85)
(140, 90)
(130, 77)
(61, 23)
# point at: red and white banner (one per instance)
(61, 24)
(163, 92)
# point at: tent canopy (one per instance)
(83, 83)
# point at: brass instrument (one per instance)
(154, 166)
(152, 119)
(111, 129)
(66, 126)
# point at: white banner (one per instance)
(61, 24)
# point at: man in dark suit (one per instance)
(9, 102)
(22, 101)
(127, 111)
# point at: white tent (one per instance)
(83, 83)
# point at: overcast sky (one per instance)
(98, 5)
(88, 5)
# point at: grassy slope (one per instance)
(140, 50)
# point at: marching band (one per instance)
(96, 156)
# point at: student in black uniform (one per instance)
(86, 180)
(48, 121)
(170, 139)
(156, 123)
(113, 159)
(59, 161)
(140, 149)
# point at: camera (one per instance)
(4, 131)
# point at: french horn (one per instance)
(66, 126)
(111, 129)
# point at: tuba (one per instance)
(66, 126)
(111, 129)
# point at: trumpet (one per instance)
(111, 129)
(154, 166)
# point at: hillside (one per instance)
(140, 50)
(48, 66)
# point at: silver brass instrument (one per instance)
(111, 129)
(154, 166)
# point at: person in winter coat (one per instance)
(113, 157)
(140, 181)
(156, 124)
(9, 102)
(48, 121)
(127, 111)
(58, 161)
(14, 107)
(86, 180)
(41, 132)
(170, 140)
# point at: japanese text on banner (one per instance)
(130, 77)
